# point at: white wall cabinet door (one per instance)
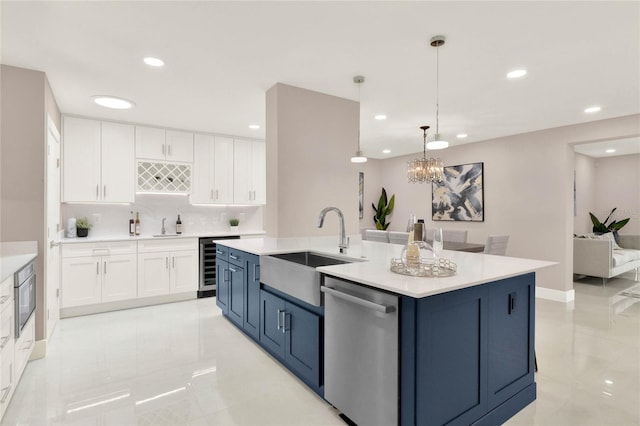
(242, 172)
(179, 146)
(153, 274)
(81, 281)
(119, 277)
(203, 165)
(249, 172)
(223, 178)
(150, 143)
(118, 163)
(81, 160)
(184, 271)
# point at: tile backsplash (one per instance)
(113, 219)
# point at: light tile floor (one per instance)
(184, 364)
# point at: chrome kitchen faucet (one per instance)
(343, 244)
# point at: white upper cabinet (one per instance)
(249, 172)
(98, 161)
(154, 143)
(212, 170)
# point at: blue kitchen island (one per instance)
(464, 349)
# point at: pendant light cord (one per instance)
(437, 88)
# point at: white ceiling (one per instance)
(222, 56)
(625, 146)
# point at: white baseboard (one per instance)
(39, 350)
(556, 295)
(126, 304)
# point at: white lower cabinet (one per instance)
(95, 273)
(167, 267)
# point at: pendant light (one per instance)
(358, 158)
(425, 170)
(438, 142)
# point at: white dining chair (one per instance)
(376, 235)
(454, 235)
(496, 244)
(398, 237)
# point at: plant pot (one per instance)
(82, 232)
(234, 228)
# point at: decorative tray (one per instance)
(440, 268)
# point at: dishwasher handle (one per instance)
(385, 309)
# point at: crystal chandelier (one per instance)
(425, 170)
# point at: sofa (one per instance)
(597, 256)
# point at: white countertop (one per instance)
(14, 255)
(373, 270)
(126, 237)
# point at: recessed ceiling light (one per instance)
(380, 117)
(517, 73)
(386, 151)
(592, 109)
(610, 151)
(461, 135)
(153, 62)
(254, 126)
(112, 102)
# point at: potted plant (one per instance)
(603, 227)
(82, 227)
(384, 209)
(233, 224)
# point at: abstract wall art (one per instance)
(460, 196)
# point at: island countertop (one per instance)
(372, 260)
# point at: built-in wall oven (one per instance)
(25, 295)
(207, 287)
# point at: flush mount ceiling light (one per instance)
(386, 151)
(358, 158)
(610, 151)
(254, 126)
(438, 142)
(425, 170)
(380, 117)
(517, 73)
(112, 102)
(461, 135)
(153, 62)
(592, 109)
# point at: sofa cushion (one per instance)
(622, 256)
(608, 236)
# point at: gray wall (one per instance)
(26, 100)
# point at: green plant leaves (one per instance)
(384, 209)
(602, 227)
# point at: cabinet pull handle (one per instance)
(232, 270)
(256, 272)
(211, 194)
(97, 268)
(284, 322)
(234, 257)
(163, 149)
(5, 393)
(512, 302)
(4, 299)
(219, 252)
(169, 149)
(105, 268)
(97, 191)
(278, 319)
(104, 192)
(5, 340)
(216, 194)
(166, 262)
(173, 262)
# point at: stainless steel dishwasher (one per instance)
(361, 352)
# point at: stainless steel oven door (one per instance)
(25, 296)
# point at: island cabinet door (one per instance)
(222, 285)
(272, 336)
(450, 358)
(511, 337)
(251, 322)
(236, 294)
(302, 351)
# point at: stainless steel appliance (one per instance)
(207, 286)
(25, 295)
(361, 352)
